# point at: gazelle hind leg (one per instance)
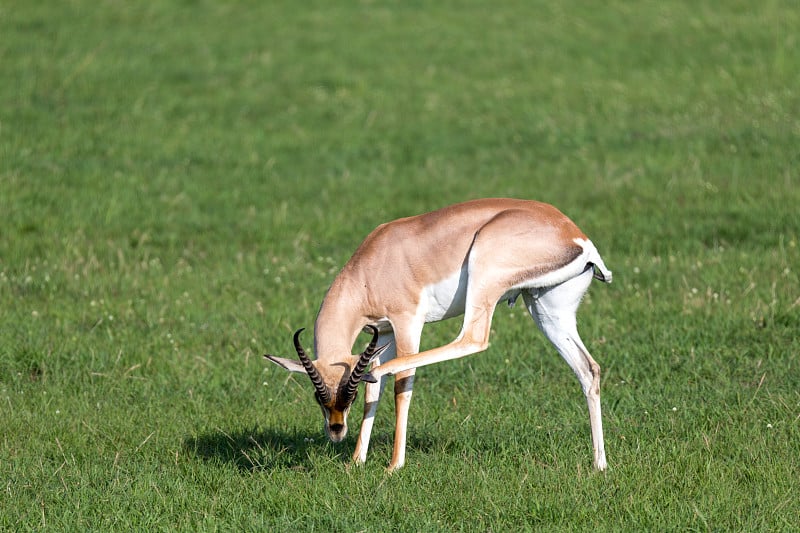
(554, 310)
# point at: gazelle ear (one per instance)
(368, 377)
(289, 364)
(379, 351)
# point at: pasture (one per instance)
(181, 181)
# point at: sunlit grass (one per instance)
(181, 181)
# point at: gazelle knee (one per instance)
(404, 383)
(595, 369)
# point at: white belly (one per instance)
(444, 299)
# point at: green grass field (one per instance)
(181, 181)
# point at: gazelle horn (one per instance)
(349, 389)
(322, 391)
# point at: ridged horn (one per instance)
(322, 391)
(349, 389)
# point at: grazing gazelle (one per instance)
(462, 259)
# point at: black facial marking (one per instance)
(342, 403)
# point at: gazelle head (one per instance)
(336, 383)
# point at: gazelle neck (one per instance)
(339, 320)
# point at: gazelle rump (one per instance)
(458, 260)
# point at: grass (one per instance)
(180, 182)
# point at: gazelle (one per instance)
(462, 259)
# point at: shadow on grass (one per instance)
(252, 450)
(255, 450)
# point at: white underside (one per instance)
(447, 298)
(444, 299)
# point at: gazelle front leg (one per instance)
(372, 395)
(408, 331)
(403, 389)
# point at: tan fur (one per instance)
(384, 276)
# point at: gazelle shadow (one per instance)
(254, 449)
